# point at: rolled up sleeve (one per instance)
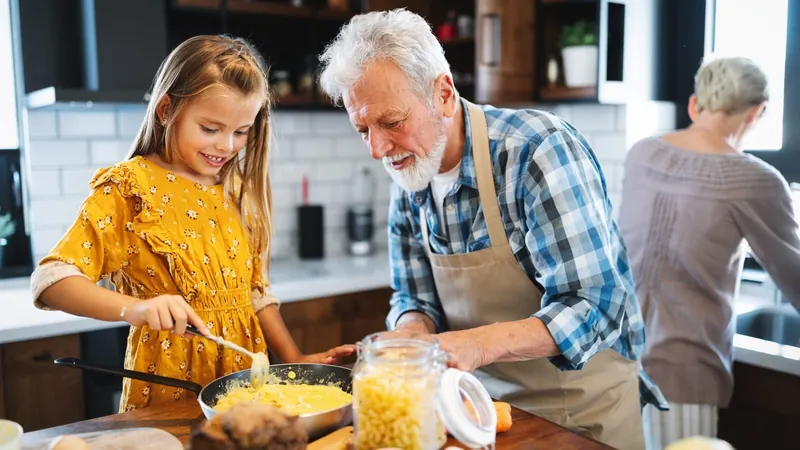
(571, 236)
(412, 278)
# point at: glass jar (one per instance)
(399, 400)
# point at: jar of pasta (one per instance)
(405, 397)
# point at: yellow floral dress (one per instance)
(155, 233)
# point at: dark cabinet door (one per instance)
(504, 51)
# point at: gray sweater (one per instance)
(685, 217)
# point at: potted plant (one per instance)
(579, 53)
(7, 228)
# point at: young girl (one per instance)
(183, 228)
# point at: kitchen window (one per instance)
(757, 30)
(769, 33)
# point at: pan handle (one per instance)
(166, 381)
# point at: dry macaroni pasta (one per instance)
(396, 411)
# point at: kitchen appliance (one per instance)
(17, 260)
(360, 214)
(316, 424)
(310, 227)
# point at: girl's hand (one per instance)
(165, 312)
(332, 356)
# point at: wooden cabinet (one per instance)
(36, 393)
(764, 411)
(504, 51)
(320, 324)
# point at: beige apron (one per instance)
(600, 401)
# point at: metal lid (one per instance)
(457, 389)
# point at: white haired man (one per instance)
(500, 234)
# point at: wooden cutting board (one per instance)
(122, 439)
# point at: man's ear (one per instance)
(445, 95)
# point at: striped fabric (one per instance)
(662, 428)
(554, 202)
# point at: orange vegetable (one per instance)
(503, 411)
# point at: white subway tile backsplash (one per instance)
(335, 242)
(609, 145)
(312, 148)
(53, 153)
(129, 120)
(588, 118)
(622, 118)
(335, 217)
(45, 183)
(284, 220)
(331, 124)
(107, 152)
(322, 146)
(51, 213)
(283, 196)
(42, 124)
(287, 124)
(333, 170)
(351, 147)
(291, 172)
(86, 124)
(76, 181)
(45, 239)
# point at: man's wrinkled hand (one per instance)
(465, 348)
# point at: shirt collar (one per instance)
(467, 176)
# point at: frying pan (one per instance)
(316, 424)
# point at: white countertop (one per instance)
(291, 281)
(302, 280)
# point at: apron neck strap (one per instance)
(483, 171)
(479, 136)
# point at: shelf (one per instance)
(264, 8)
(565, 2)
(268, 9)
(565, 93)
(458, 41)
(294, 100)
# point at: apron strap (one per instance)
(486, 190)
(483, 171)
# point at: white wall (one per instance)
(67, 146)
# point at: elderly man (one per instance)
(500, 234)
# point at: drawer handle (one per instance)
(44, 357)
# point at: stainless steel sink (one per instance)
(771, 324)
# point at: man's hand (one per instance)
(467, 349)
(332, 356)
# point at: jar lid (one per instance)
(457, 389)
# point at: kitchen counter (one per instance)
(292, 281)
(528, 431)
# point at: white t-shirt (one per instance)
(441, 185)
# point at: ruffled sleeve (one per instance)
(262, 295)
(96, 242)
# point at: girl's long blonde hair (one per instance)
(196, 65)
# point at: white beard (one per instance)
(419, 174)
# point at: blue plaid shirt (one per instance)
(554, 203)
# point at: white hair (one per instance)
(730, 85)
(398, 35)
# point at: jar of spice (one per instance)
(405, 397)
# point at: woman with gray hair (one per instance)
(690, 200)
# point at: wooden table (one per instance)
(527, 432)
